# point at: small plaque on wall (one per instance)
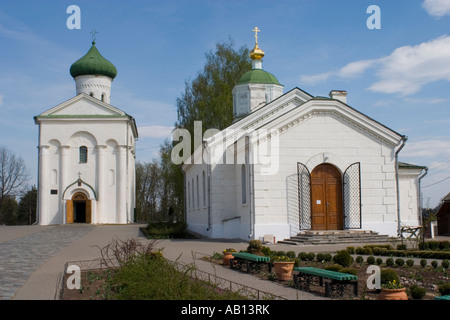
(53, 191)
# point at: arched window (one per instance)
(244, 184)
(83, 154)
(198, 194)
(103, 97)
(91, 94)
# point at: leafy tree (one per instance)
(208, 98)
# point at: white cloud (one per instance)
(155, 131)
(437, 8)
(433, 148)
(355, 69)
(406, 70)
(315, 79)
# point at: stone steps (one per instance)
(336, 237)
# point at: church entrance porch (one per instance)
(79, 209)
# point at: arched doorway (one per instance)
(326, 198)
(79, 209)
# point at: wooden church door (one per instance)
(326, 198)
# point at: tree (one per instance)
(13, 177)
(208, 98)
(148, 190)
(26, 213)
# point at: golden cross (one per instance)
(256, 30)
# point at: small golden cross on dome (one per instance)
(256, 30)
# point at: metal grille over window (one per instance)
(304, 196)
(352, 196)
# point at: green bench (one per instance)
(249, 260)
(442, 297)
(336, 281)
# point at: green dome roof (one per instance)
(258, 76)
(93, 63)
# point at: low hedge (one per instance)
(384, 251)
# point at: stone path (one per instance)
(20, 257)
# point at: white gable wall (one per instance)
(109, 174)
(324, 138)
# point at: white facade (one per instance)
(288, 139)
(103, 179)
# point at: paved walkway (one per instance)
(32, 258)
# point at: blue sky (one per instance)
(398, 75)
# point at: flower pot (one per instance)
(393, 294)
(283, 269)
(226, 258)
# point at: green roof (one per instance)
(93, 63)
(258, 76)
(405, 165)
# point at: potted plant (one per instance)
(391, 288)
(283, 267)
(227, 255)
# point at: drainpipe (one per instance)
(403, 142)
(420, 194)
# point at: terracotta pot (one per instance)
(393, 294)
(284, 269)
(226, 258)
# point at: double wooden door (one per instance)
(326, 197)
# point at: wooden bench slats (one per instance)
(326, 273)
(250, 256)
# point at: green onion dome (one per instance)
(93, 63)
(258, 76)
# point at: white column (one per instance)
(101, 182)
(63, 182)
(122, 186)
(44, 185)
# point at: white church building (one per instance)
(86, 171)
(292, 162)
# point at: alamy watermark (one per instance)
(74, 280)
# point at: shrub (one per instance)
(255, 247)
(359, 259)
(334, 267)
(343, 258)
(350, 271)
(423, 263)
(323, 257)
(379, 261)
(266, 251)
(388, 275)
(434, 264)
(445, 264)
(390, 262)
(400, 262)
(351, 250)
(310, 256)
(291, 254)
(410, 262)
(371, 260)
(364, 250)
(444, 289)
(401, 247)
(302, 256)
(417, 292)
(280, 253)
